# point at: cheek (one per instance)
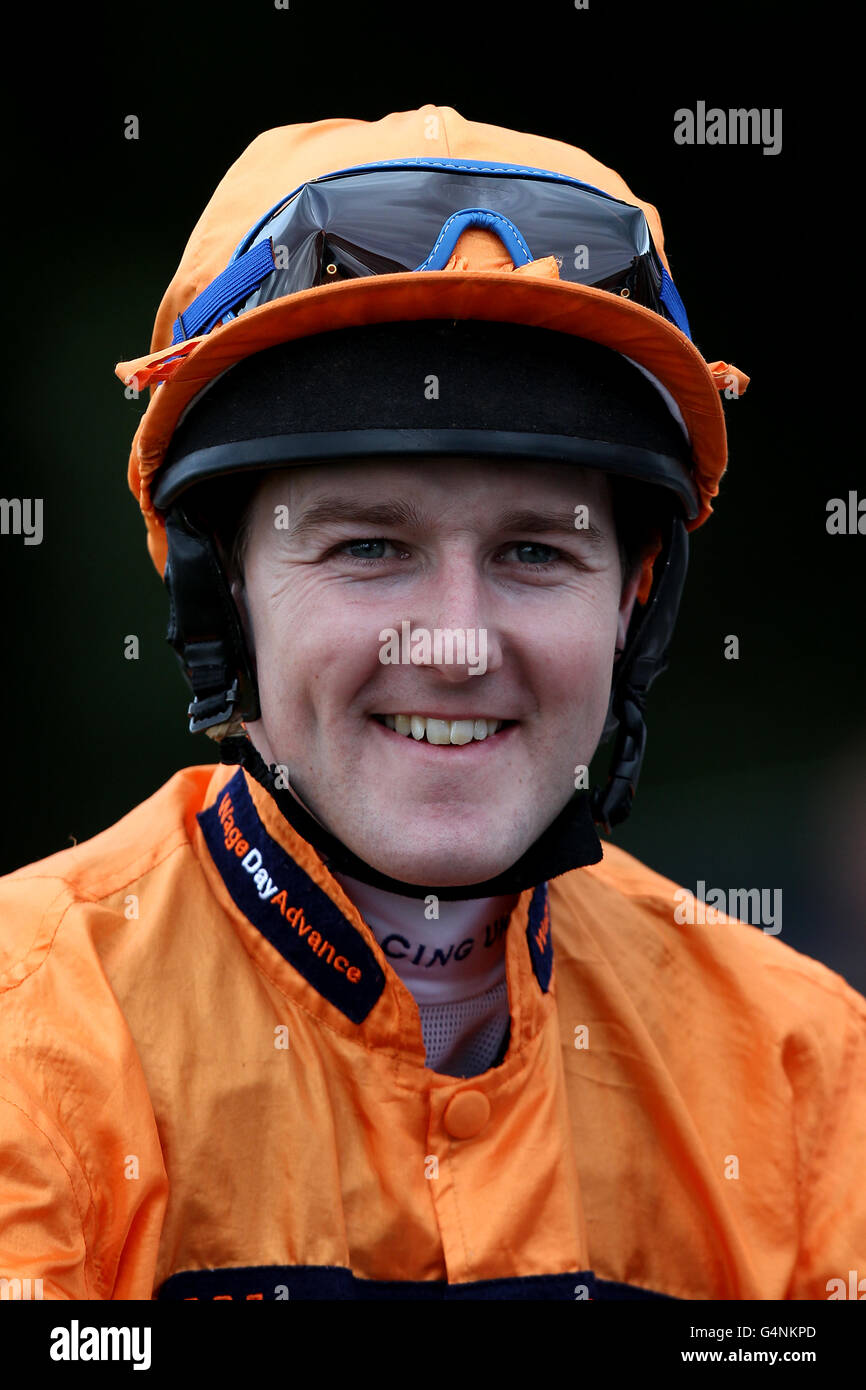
(313, 650)
(574, 646)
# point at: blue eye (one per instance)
(368, 549)
(545, 559)
(533, 556)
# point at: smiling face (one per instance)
(352, 569)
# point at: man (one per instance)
(364, 1011)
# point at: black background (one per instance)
(755, 768)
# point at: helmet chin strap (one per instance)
(569, 842)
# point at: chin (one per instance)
(443, 868)
(443, 849)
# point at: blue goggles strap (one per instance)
(238, 280)
(670, 299)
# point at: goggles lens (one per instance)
(386, 220)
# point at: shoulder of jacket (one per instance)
(34, 898)
(636, 915)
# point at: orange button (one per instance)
(467, 1114)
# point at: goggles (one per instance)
(407, 215)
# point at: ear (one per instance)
(626, 604)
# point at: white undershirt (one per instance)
(453, 965)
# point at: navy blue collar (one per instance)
(302, 922)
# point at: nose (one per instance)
(464, 642)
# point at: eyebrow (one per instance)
(530, 520)
(524, 520)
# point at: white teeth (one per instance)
(462, 730)
(442, 731)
